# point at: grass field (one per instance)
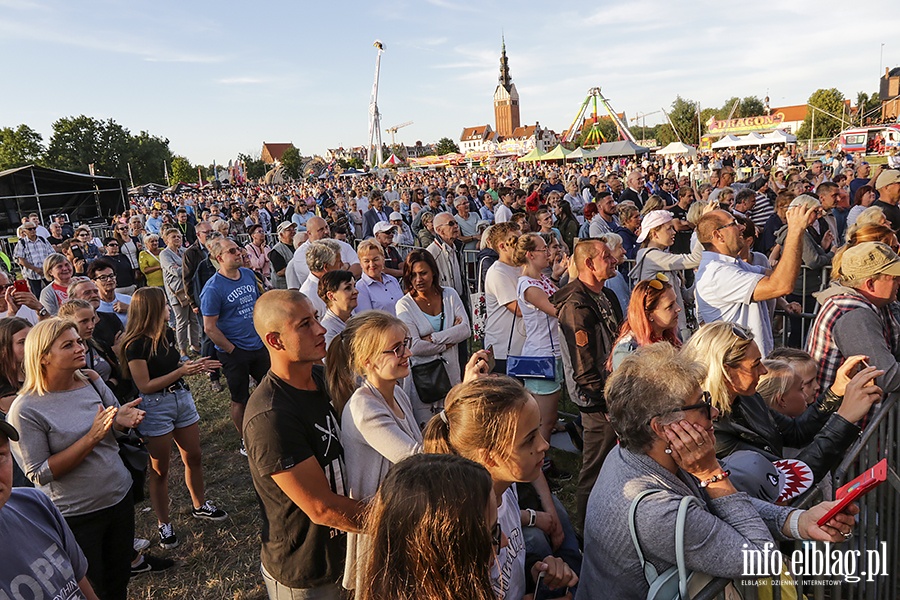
(219, 561)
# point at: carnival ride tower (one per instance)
(375, 116)
(594, 136)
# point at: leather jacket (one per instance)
(821, 435)
(588, 325)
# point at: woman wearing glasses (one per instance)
(377, 421)
(425, 501)
(88, 245)
(822, 433)
(667, 448)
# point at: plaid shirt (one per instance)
(821, 345)
(34, 252)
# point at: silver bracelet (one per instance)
(532, 517)
(794, 523)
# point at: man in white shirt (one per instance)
(728, 289)
(317, 229)
(501, 303)
(503, 213)
(323, 256)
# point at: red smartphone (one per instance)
(21, 285)
(863, 484)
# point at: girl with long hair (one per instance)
(424, 502)
(652, 317)
(13, 332)
(98, 356)
(496, 422)
(377, 421)
(150, 358)
(65, 415)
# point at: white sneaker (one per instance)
(140, 544)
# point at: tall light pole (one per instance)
(374, 115)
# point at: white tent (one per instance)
(779, 137)
(729, 141)
(751, 139)
(678, 148)
(583, 153)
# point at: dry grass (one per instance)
(221, 560)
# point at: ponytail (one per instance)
(338, 375)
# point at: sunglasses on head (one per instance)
(657, 282)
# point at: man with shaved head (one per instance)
(317, 229)
(634, 189)
(728, 289)
(295, 455)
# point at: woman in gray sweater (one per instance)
(66, 418)
(666, 443)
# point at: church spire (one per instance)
(505, 78)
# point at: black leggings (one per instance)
(106, 537)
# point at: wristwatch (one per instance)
(43, 313)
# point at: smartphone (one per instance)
(20, 285)
(860, 486)
(77, 253)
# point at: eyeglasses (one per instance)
(105, 278)
(84, 235)
(400, 349)
(111, 244)
(732, 223)
(233, 250)
(496, 536)
(657, 282)
(706, 405)
(121, 229)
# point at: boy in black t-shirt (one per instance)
(296, 459)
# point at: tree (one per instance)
(445, 146)
(683, 117)
(828, 106)
(254, 167)
(183, 170)
(292, 162)
(146, 156)
(80, 141)
(19, 147)
(867, 108)
(752, 106)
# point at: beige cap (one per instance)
(887, 178)
(868, 260)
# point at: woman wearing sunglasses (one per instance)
(822, 433)
(377, 421)
(667, 448)
(652, 317)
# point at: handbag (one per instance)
(531, 367)
(134, 455)
(673, 583)
(431, 379)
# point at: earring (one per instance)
(668, 450)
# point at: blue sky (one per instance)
(218, 78)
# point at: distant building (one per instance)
(506, 100)
(272, 153)
(528, 137)
(477, 139)
(889, 93)
(346, 154)
(793, 117)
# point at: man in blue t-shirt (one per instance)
(42, 558)
(226, 304)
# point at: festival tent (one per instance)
(84, 198)
(751, 139)
(558, 153)
(532, 156)
(676, 148)
(729, 141)
(392, 161)
(351, 172)
(779, 137)
(147, 189)
(621, 148)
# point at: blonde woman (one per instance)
(378, 426)
(65, 416)
(150, 358)
(823, 432)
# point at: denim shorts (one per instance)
(545, 387)
(166, 412)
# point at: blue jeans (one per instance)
(279, 591)
(538, 543)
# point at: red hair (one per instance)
(590, 209)
(644, 300)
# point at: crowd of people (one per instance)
(374, 335)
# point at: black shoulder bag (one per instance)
(430, 378)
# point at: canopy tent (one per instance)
(148, 189)
(751, 139)
(84, 198)
(779, 137)
(621, 148)
(532, 156)
(676, 148)
(392, 161)
(181, 187)
(729, 141)
(558, 153)
(352, 172)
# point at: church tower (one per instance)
(506, 100)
